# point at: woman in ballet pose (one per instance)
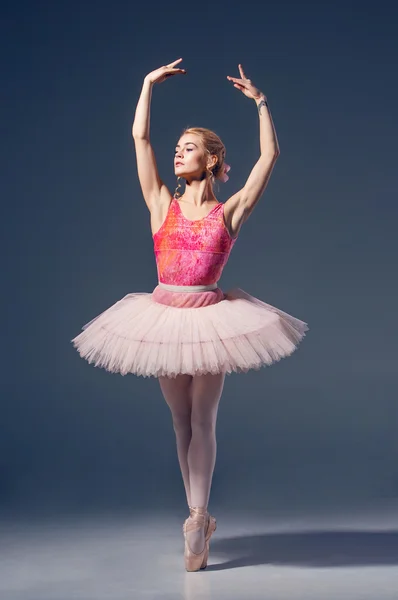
(187, 332)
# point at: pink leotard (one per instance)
(192, 252)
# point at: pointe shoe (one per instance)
(210, 527)
(198, 518)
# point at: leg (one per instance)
(177, 393)
(206, 393)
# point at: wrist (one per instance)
(260, 98)
(147, 82)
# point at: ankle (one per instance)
(199, 510)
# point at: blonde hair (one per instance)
(212, 144)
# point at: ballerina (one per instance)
(187, 332)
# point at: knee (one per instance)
(203, 424)
(182, 423)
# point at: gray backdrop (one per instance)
(316, 429)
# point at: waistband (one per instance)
(188, 288)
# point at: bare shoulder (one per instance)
(159, 208)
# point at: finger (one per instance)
(234, 79)
(172, 73)
(242, 74)
(174, 62)
(175, 72)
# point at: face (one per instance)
(189, 158)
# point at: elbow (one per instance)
(139, 136)
(138, 133)
(274, 156)
(271, 156)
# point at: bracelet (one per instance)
(263, 102)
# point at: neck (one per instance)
(198, 192)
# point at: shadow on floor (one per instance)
(307, 549)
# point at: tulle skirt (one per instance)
(167, 333)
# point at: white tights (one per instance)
(193, 402)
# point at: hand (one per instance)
(245, 85)
(162, 73)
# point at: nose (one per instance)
(178, 154)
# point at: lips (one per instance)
(179, 163)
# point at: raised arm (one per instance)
(239, 207)
(152, 186)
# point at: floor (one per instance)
(351, 556)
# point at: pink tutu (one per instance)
(166, 333)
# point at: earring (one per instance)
(177, 193)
